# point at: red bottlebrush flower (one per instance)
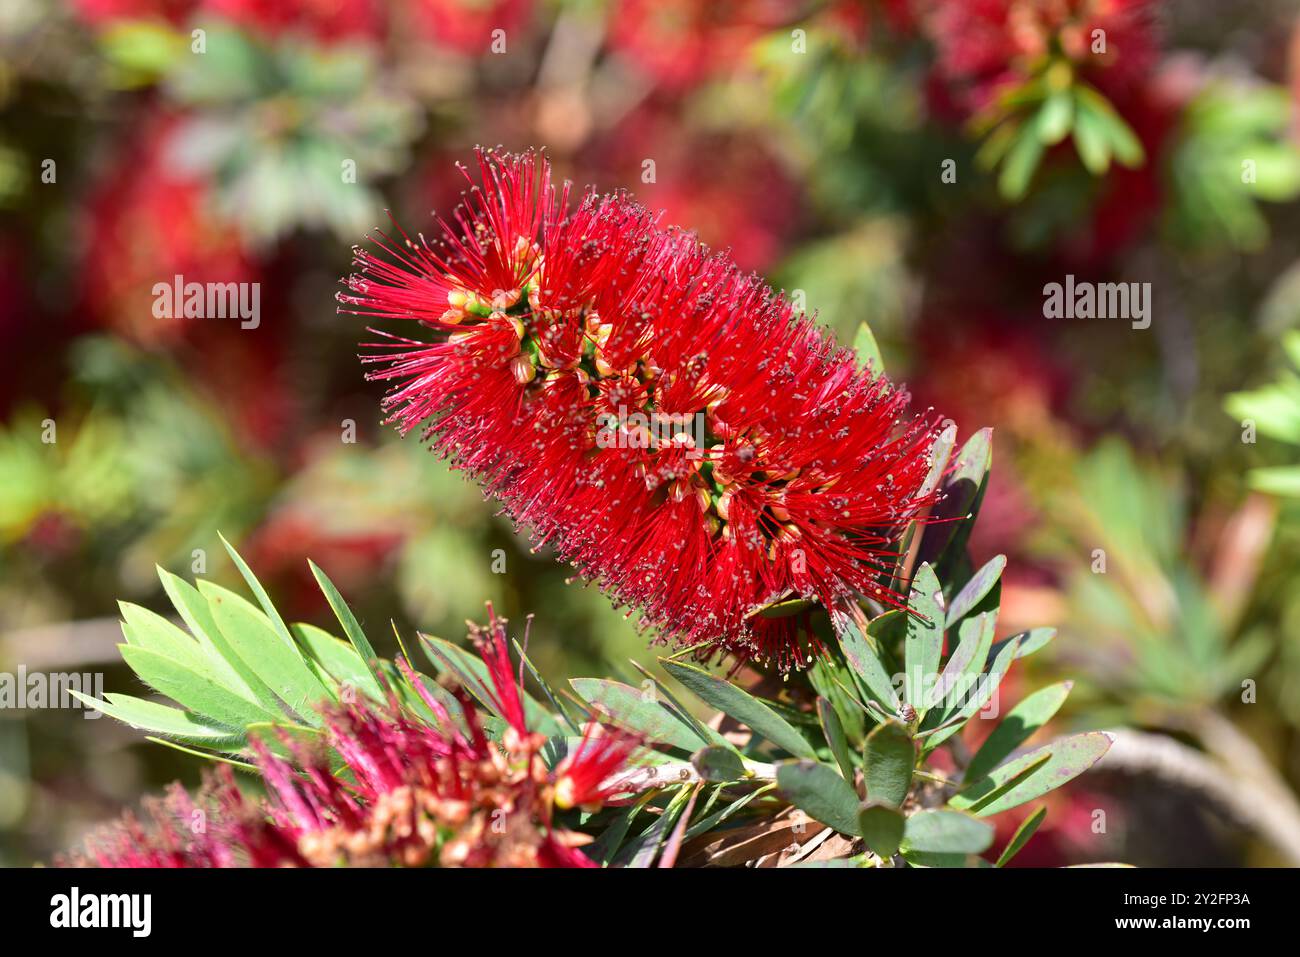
(589, 776)
(674, 428)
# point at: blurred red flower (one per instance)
(983, 46)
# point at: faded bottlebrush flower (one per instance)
(677, 431)
(387, 787)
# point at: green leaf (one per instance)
(157, 634)
(603, 849)
(863, 660)
(818, 790)
(1021, 163)
(944, 544)
(833, 679)
(276, 663)
(923, 646)
(888, 761)
(1027, 642)
(1032, 775)
(632, 709)
(339, 659)
(190, 690)
(263, 599)
(1124, 145)
(1055, 118)
(984, 691)
(868, 351)
(946, 832)
(1023, 833)
(194, 611)
(1091, 140)
(834, 732)
(974, 639)
(163, 719)
(882, 828)
(560, 707)
(644, 848)
(1017, 727)
(740, 705)
(1280, 480)
(716, 763)
(976, 589)
(680, 711)
(351, 627)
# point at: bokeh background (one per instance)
(924, 165)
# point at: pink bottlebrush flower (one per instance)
(386, 787)
(505, 693)
(676, 430)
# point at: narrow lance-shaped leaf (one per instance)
(982, 692)
(163, 719)
(954, 515)
(740, 705)
(192, 691)
(923, 647)
(263, 599)
(197, 615)
(1065, 760)
(338, 658)
(1019, 725)
(1023, 833)
(974, 639)
(1027, 642)
(864, 343)
(351, 627)
(835, 737)
(276, 663)
(632, 709)
(863, 659)
(679, 710)
(976, 589)
(912, 546)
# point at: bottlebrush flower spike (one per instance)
(670, 425)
